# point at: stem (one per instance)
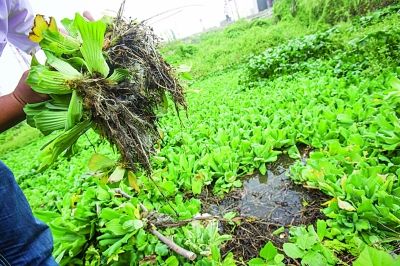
(169, 242)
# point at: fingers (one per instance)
(63, 31)
(87, 15)
(24, 75)
(24, 94)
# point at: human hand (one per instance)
(24, 94)
(88, 15)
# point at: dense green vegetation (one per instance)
(363, 48)
(217, 51)
(334, 90)
(17, 137)
(325, 11)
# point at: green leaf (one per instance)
(278, 231)
(133, 181)
(60, 256)
(263, 169)
(65, 140)
(344, 205)
(34, 61)
(49, 121)
(293, 251)
(197, 184)
(314, 258)
(62, 66)
(46, 81)
(46, 216)
(328, 254)
(279, 258)
(294, 153)
(103, 194)
(32, 109)
(92, 35)
(257, 262)
(164, 103)
(70, 27)
(115, 227)
(59, 43)
(59, 101)
(374, 257)
(230, 215)
(395, 83)
(78, 63)
(184, 72)
(362, 225)
(100, 162)
(215, 253)
(306, 241)
(118, 75)
(75, 111)
(58, 104)
(133, 225)
(269, 251)
(117, 175)
(237, 183)
(117, 245)
(321, 229)
(172, 261)
(109, 214)
(169, 187)
(229, 260)
(345, 118)
(141, 240)
(161, 249)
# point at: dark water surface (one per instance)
(272, 197)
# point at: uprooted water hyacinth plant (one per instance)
(106, 75)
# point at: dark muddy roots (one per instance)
(252, 233)
(126, 113)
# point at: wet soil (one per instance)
(265, 203)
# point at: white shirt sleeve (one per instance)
(16, 21)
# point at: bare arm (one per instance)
(11, 105)
(11, 112)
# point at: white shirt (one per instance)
(16, 21)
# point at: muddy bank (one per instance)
(266, 202)
(272, 197)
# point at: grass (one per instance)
(228, 48)
(17, 137)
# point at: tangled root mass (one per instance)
(126, 113)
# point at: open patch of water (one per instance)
(272, 197)
(265, 203)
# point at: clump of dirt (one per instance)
(265, 203)
(125, 113)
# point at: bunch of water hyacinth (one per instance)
(106, 75)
